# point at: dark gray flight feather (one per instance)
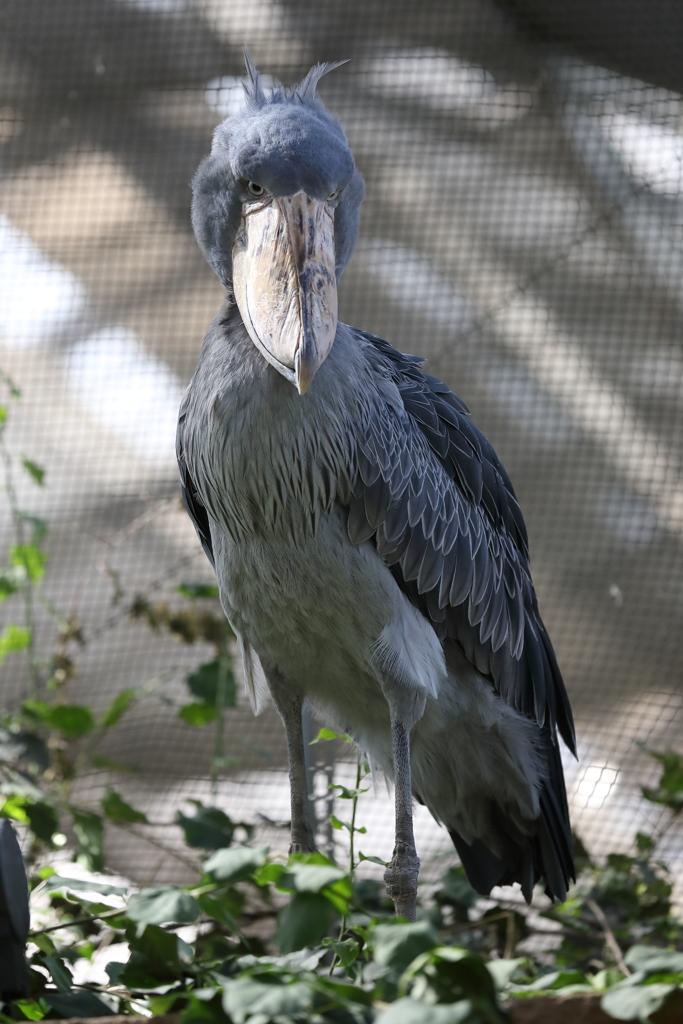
(461, 535)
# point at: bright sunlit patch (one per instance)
(594, 786)
(127, 390)
(158, 6)
(432, 76)
(439, 80)
(652, 152)
(38, 298)
(412, 280)
(225, 95)
(629, 517)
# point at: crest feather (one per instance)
(253, 88)
(304, 92)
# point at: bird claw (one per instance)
(401, 880)
(305, 847)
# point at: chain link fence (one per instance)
(523, 230)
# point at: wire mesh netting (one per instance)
(523, 230)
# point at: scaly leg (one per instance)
(401, 875)
(289, 707)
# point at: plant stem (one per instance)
(354, 806)
(27, 585)
(217, 759)
(352, 858)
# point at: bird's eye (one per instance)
(333, 195)
(254, 189)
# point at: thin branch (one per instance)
(78, 920)
(193, 865)
(608, 936)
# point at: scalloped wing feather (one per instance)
(433, 494)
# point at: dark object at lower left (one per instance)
(14, 916)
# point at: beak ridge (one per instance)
(285, 284)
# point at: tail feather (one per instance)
(546, 853)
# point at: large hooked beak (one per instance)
(283, 264)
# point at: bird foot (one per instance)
(305, 846)
(401, 880)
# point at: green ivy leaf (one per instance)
(410, 1011)
(33, 811)
(156, 950)
(196, 590)
(644, 843)
(60, 973)
(328, 734)
(245, 997)
(36, 472)
(208, 828)
(83, 1004)
(397, 945)
(32, 1009)
(198, 1011)
(31, 558)
(39, 528)
(553, 981)
(269, 873)
(456, 890)
(235, 864)
(198, 714)
(118, 706)
(10, 582)
(89, 832)
(225, 908)
(373, 860)
(503, 971)
(204, 683)
(42, 820)
(12, 640)
(116, 809)
(161, 904)
(14, 807)
(636, 1002)
(348, 794)
(72, 719)
(303, 922)
(310, 877)
(653, 960)
(448, 974)
(58, 883)
(25, 746)
(347, 951)
(670, 789)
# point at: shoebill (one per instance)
(371, 555)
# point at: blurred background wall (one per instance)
(523, 230)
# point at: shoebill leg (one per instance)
(401, 875)
(289, 706)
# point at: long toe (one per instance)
(401, 880)
(308, 847)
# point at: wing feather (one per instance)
(445, 517)
(191, 499)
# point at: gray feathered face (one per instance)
(275, 211)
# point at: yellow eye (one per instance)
(254, 189)
(333, 195)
